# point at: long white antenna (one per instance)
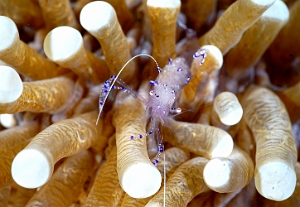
(165, 177)
(117, 76)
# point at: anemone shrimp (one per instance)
(165, 90)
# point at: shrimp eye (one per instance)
(151, 93)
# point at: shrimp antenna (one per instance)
(189, 32)
(108, 85)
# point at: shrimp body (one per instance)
(166, 89)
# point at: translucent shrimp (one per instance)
(165, 90)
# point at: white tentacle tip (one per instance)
(62, 43)
(217, 172)
(275, 180)
(234, 117)
(9, 33)
(216, 53)
(31, 168)
(96, 15)
(8, 120)
(164, 3)
(278, 11)
(11, 85)
(141, 180)
(228, 108)
(224, 146)
(263, 2)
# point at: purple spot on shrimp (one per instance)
(153, 83)
(170, 61)
(113, 76)
(202, 61)
(159, 69)
(202, 53)
(196, 55)
(179, 69)
(141, 136)
(131, 137)
(188, 80)
(155, 161)
(160, 149)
